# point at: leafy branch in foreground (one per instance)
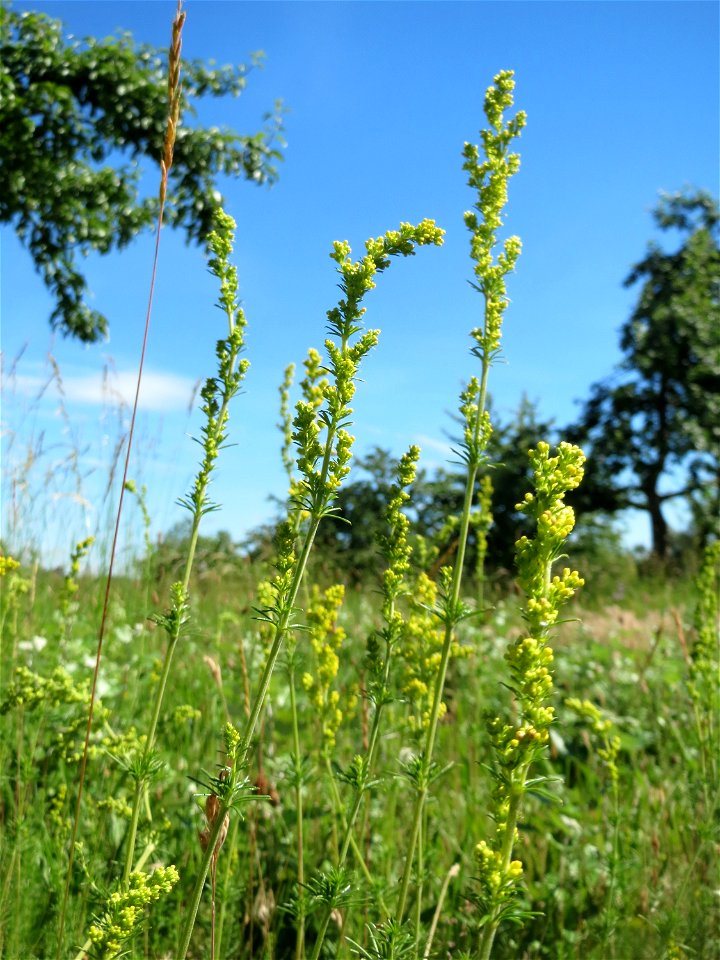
(324, 450)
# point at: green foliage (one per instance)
(76, 118)
(660, 414)
(217, 555)
(312, 829)
(664, 877)
(349, 540)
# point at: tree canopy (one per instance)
(76, 119)
(654, 425)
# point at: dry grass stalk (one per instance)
(174, 90)
(165, 163)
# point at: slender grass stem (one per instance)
(140, 783)
(299, 838)
(452, 872)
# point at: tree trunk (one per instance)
(658, 525)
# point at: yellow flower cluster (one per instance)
(8, 565)
(496, 874)
(602, 727)
(490, 179)
(517, 744)
(314, 384)
(14, 587)
(117, 805)
(420, 648)
(56, 805)
(125, 910)
(326, 638)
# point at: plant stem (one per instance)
(140, 784)
(452, 872)
(359, 794)
(300, 920)
(422, 792)
(248, 733)
(232, 843)
(420, 871)
(490, 929)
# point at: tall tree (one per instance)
(654, 425)
(76, 117)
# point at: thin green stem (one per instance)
(248, 733)
(337, 804)
(140, 784)
(371, 753)
(351, 820)
(232, 843)
(321, 935)
(609, 924)
(300, 919)
(422, 792)
(420, 871)
(348, 841)
(452, 872)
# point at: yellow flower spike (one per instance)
(326, 638)
(8, 564)
(529, 659)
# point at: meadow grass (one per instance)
(647, 893)
(279, 766)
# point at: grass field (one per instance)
(625, 869)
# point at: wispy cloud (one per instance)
(437, 446)
(159, 392)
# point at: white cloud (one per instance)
(159, 392)
(438, 446)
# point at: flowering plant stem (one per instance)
(520, 742)
(488, 931)
(217, 394)
(242, 752)
(490, 178)
(323, 466)
(397, 552)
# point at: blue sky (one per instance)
(622, 102)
